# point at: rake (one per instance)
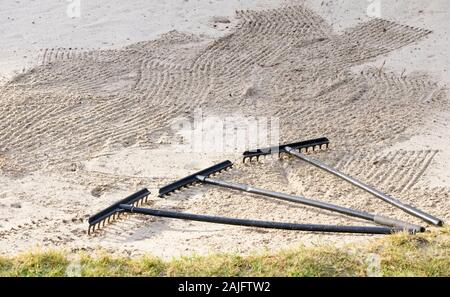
(313, 144)
(203, 177)
(131, 203)
(294, 150)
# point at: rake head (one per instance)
(313, 144)
(114, 211)
(186, 181)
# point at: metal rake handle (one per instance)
(405, 207)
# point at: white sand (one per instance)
(52, 168)
(28, 26)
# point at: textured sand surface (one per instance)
(83, 128)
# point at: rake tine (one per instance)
(191, 179)
(114, 212)
(299, 145)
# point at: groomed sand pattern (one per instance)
(287, 63)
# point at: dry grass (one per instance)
(425, 254)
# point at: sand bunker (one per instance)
(67, 121)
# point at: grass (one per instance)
(426, 254)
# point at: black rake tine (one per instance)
(114, 212)
(191, 179)
(305, 145)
